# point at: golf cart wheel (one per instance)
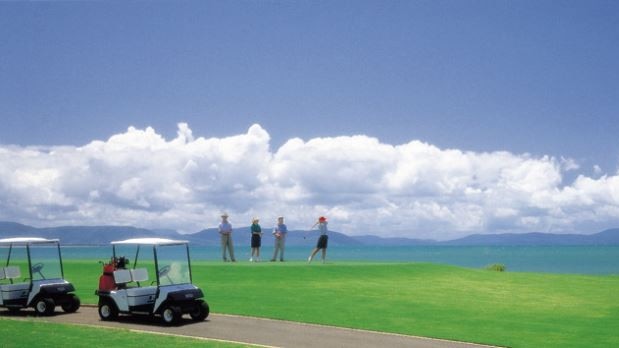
(200, 311)
(107, 310)
(44, 306)
(72, 305)
(171, 315)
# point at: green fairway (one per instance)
(29, 333)
(508, 309)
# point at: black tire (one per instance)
(171, 315)
(200, 312)
(72, 304)
(44, 306)
(107, 310)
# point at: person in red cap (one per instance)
(322, 240)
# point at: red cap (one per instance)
(322, 219)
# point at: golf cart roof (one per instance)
(27, 240)
(150, 241)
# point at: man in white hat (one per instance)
(279, 232)
(225, 230)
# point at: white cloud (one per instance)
(365, 186)
(597, 170)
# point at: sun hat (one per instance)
(224, 215)
(322, 219)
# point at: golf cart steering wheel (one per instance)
(163, 271)
(37, 267)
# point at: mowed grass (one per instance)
(29, 333)
(501, 308)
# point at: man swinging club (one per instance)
(322, 240)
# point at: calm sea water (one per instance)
(547, 259)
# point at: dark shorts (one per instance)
(256, 240)
(322, 242)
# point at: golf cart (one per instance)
(42, 286)
(170, 294)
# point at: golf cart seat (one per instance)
(12, 272)
(139, 275)
(143, 295)
(140, 292)
(13, 291)
(122, 276)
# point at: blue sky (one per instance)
(526, 77)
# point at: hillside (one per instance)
(102, 235)
(80, 235)
(607, 237)
(241, 235)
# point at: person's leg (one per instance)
(275, 251)
(283, 247)
(255, 247)
(231, 246)
(311, 257)
(258, 247)
(228, 238)
(322, 245)
(279, 248)
(224, 243)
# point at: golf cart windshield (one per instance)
(45, 262)
(173, 263)
(44, 257)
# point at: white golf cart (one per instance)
(170, 294)
(42, 286)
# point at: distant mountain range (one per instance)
(103, 235)
(607, 237)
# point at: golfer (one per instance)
(322, 240)
(279, 232)
(256, 240)
(225, 231)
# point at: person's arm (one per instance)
(256, 230)
(225, 229)
(277, 232)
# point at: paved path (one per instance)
(249, 330)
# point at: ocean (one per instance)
(594, 260)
